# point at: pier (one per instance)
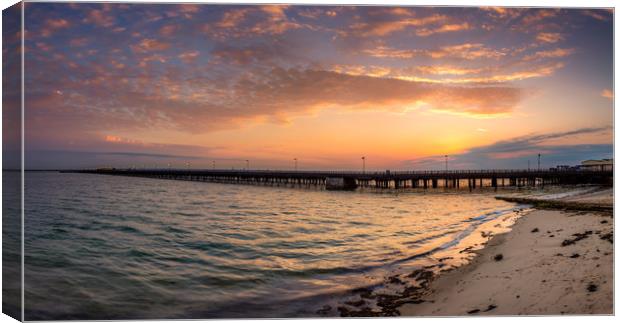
(343, 180)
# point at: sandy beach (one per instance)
(552, 262)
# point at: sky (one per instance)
(189, 85)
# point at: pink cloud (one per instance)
(57, 23)
(168, 30)
(443, 29)
(51, 25)
(149, 45)
(100, 18)
(549, 37)
(553, 53)
(232, 18)
(189, 56)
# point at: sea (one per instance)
(112, 247)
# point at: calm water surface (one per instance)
(106, 247)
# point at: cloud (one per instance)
(554, 53)
(424, 32)
(331, 13)
(150, 44)
(437, 73)
(145, 60)
(527, 73)
(251, 22)
(447, 70)
(388, 52)
(311, 13)
(607, 93)
(118, 139)
(257, 53)
(189, 8)
(188, 104)
(51, 25)
(549, 37)
(57, 23)
(100, 18)
(386, 25)
(600, 14)
(275, 11)
(168, 30)
(502, 13)
(240, 56)
(232, 18)
(189, 57)
(256, 64)
(468, 51)
(538, 15)
(366, 70)
(514, 153)
(535, 20)
(529, 141)
(477, 101)
(465, 51)
(277, 21)
(311, 88)
(400, 11)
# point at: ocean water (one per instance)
(108, 247)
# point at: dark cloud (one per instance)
(516, 152)
(526, 142)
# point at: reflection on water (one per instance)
(104, 247)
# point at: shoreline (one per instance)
(551, 262)
(411, 286)
(597, 199)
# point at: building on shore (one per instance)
(598, 164)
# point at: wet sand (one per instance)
(553, 262)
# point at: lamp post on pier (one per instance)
(539, 162)
(295, 159)
(363, 164)
(247, 164)
(213, 164)
(446, 156)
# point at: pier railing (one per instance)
(378, 179)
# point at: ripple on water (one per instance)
(153, 249)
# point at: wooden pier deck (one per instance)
(471, 179)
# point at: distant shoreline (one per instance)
(33, 170)
(559, 205)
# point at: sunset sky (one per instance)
(133, 84)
